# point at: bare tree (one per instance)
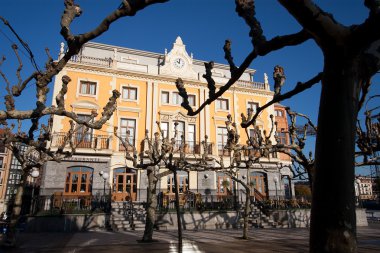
(41, 79)
(295, 148)
(32, 154)
(157, 153)
(368, 139)
(351, 58)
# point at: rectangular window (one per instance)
(252, 106)
(164, 97)
(88, 88)
(83, 138)
(191, 100)
(1, 162)
(183, 183)
(165, 128)
(176, 99)
(1, 177)
(281, 137)
(278, 113)
(180, 132)
(222, 104)
(129, 93)
(128, 125)
(222, 139)
(191, 137)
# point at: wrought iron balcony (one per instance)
(88, 140)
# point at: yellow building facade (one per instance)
(146, 82)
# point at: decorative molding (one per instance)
(84, 104)
(177, 115)
(128, 109)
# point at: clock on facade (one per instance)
(179, 63)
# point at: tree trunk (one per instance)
(10, 239)
(246, 211)
(333, 220)
(177, 209)
(151, 205)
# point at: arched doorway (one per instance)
(124, 186)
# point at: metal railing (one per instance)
(83, 140)
(195, 201)
(61, 204)
(104, 62)
(252, 85)
(192, 147)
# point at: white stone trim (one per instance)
(148, 112)
(156, 99)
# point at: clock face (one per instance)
(179, 63)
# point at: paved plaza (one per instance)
(262, 240)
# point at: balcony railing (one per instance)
(104, 62)
(191, 201)
(191, 147)
(83, 140)
(252, 85)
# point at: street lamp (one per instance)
(34, 174)
(275, 179)
(105, 176)
(358, 183)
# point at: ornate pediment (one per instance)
(178, 63)
(177, 116)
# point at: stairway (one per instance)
(125, 217)
(258, 218)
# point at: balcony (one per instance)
(102, 62)
(192, 147)
(89, 141)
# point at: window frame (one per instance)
(167, 102)
(88, 92)
(223, 137)
(79, 172)
(279, 113)
(128, 88)
(249, 106)
(177, 97)
(219, 104)
(123, 134)
(192, 98)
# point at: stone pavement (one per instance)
(261, 240)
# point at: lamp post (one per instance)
(34, 174)
(358, 183)
(275, 179)
(105, 176)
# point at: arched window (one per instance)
(79, 181)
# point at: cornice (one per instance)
(154, 55)
(155, 78)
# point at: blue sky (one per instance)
(203, 25)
